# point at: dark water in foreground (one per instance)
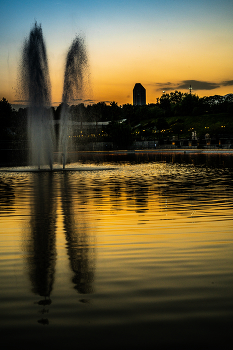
(140, 256)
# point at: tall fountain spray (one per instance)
(74, 81)
(37, 91)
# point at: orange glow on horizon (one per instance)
(114, 72)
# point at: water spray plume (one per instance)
(75, 68)
(37, 91)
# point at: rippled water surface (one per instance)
(137, 255)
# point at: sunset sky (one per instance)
(164, 45)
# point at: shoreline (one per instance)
(14, 161)
(160, 150)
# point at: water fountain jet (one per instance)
(36, 89)
(76, 63)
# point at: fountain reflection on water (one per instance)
(36, 89)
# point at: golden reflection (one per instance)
(154, 212)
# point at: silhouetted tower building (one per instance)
(139, 95)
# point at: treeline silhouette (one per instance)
(174, 113)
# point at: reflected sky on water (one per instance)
(141, 253)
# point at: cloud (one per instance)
(20, 101)
(102, 101)
(227, 83)
(76, 99)
(196, 85)
(89, 100)
(166, 86)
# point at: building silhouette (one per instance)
(139, 95)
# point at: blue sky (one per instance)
(161, 44)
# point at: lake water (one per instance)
(139, 255)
